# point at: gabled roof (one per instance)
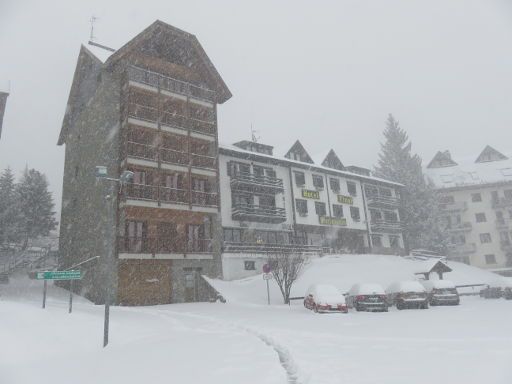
(84, 85)
(441, 160)
(490, 154)
(430, 266)
(333, 161)
(182, 44)
(298, 148)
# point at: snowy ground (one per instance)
(241, 342)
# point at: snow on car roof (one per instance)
(367, 289)
(438, 284)
(326, 289)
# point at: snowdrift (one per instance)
(345, 270)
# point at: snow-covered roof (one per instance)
(100, 53)
(468, 172)
(301, 164)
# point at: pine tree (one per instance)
(9, 208)
(36, 206)
(419, 211)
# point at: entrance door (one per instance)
(190, 286)
(167, 238)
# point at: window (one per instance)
(300, 180)
(267, 201)
(320, 208)
(485, 238)
(508, 193)
(490, 259)
(505, 238)
(385, 192)
(301, 206)
(394, 241)
(447, 199)
(476, 197)
(258, 171)
(494, 196)
(351, 188)
(390, 216)
(375, 215)
(335, 184)
(337, 210)
(371, 191)
(249, 265)
(377, 240)
(354, 213)
(480, 217)
(318, 181)
(139, 177)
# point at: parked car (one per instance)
(367, 297)
(441, 292)
(493, 291)
(407, 294)
(324, 298)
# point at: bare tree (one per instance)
(286, 268)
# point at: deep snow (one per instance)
(248, 342)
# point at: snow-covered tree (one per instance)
(420, 209)
(286, 268)
(36, 206)
(9, 208)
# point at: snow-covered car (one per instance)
(507, 293)
(325, 298)
(367, 297)
(441, 292)
(407, 294)
(493, 290)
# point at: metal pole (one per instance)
(268, 294)
(71, 296)
(109, 265)
(45, 286)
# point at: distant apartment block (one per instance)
(3, 102)
(476, 198)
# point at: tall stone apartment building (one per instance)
(287, 203)
(150, 108)
(476, 199)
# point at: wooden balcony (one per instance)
(170, 84)
(251, 182)
(170, 195)
(256, 213)
(386, 226)
(378, 201)
(170, 245)
(170, 156)
(152, 115)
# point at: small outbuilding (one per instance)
(427, 267)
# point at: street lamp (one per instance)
(126, 177)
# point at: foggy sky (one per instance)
(325, 72)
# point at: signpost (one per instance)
(267, 276)
(59, 275)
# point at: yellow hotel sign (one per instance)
(338, 221)
(308, 194)
(345, 199)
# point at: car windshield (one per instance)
(265, 191)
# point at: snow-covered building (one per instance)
(150, 108)
(276, 204)
(477, 203)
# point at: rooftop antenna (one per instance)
(92, 37)
(92, 21)
(254, 137)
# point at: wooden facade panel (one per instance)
(144, 282)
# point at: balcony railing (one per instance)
(386, 226)
(154, 79)
(460, 227)
(258, 213)
(503, 224)
(461, 249)
(266, 248)
(383, 201)
(151, 114)
(256, 181)
(170, 156)
(160, 245)
(502, 202)
(457, 206)
(506, 245)
(170, 195)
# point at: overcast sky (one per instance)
(325, 72)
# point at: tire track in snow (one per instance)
(285, 358)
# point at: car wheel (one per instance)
(358, 307)
(315, 309)
(399, 306)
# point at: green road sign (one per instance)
(59, 275)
